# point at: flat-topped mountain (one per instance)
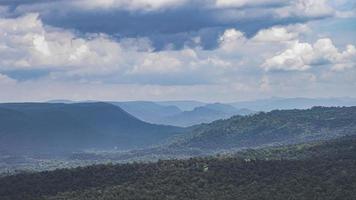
(55, 127)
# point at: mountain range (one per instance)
(171, 114)
(187, 113)
(280, 103)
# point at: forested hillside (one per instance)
(272, 128)
(315, 173)
(275, 128)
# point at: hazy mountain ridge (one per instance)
(175, 113)
(187, 113)
(148, 111)
(293, 103)
(171, 115)
(64, 127)
(205, 114)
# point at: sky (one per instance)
(207, 50)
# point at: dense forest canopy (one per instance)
(273, 128)
(321, 170)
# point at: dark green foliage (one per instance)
(272, 128)
(313, 176)
(341, 148)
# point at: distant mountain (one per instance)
(158, 113)
(272, 128)
(52, 127)
(205, 114)
(184, 105)
(61, 101)
(293, 103)
(148, 111)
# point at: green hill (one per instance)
(273, 128)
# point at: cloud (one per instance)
(160, 63)
(145, 5)
(302, 56)
(280, 33)
(202, 51)
(6, 80)
(307, 9)
(231, 39)
(26, 43)
(175, 22)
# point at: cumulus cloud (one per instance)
(231, 39)
(153, 18)
(302, 56)
(307, 9)
(132, 50)
(280, 33)
(26, 43)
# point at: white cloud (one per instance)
(26, 43)
(231, 39)
(131, 69)
(294, 58)
(301, 56)
(280, 33)
(307, 8)
(161, 63)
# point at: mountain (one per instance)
(148, 111)
(61, 101)
(204, 114)
(184, 105)
(54, 128)
(320, 171)
(256, 131)
(273, 128)
(159, 113)
(293, 103)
